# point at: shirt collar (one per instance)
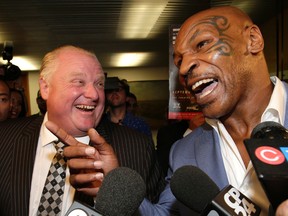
(275, 111)
(48, 137)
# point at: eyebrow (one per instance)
(4, 94)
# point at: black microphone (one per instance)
(194, 188)
(120, 194)
(268, 151)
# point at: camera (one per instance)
(9, 71)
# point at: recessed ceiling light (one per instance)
(138, 18)
(129, 59)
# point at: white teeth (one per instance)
(85, 107)
(200, 83)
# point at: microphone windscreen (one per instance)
(269, 130)
(194, 188)
(121, 192)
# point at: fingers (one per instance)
(88, 183)
(84, 163)
(75, 148)
(86, 179)
(98, 141)
(87, 164)
(104, 151)
(61, 134)
(282, 209)
(90, 191)
(79, 150)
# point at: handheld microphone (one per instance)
(120, 194)
(268, 151)
(196, 190)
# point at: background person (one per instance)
(116, 101)
(18, 104)
(41, 103)
(132, 104)
(5, 105)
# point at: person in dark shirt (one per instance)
(116, 92)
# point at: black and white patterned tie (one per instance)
(51, 199)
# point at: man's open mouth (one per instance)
(204, 87)
(86, 108)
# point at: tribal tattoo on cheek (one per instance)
(223, 45)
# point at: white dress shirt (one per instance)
(44, 155)
(243, 179)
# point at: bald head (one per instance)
(235, 15)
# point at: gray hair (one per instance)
(50, 63)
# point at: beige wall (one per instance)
(33, 89)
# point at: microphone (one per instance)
(268, 151)
(120, 194)
(196, 190)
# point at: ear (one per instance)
(256, 41)
(44, 88)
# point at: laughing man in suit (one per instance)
(72, 83)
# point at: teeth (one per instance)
(85, 107)
(201, 82)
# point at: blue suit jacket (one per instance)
(200, 148)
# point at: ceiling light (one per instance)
(137, 18)
(129, 59)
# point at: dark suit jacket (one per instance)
(166, 137)
(18, 143)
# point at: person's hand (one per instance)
(88, 165)
(282, 209)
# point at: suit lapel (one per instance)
(209, 158)
(24, 152)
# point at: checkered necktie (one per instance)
(51, 199)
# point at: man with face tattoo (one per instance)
(219, 53)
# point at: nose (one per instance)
(188, 65)
(91, 91)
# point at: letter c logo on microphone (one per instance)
(269, 155)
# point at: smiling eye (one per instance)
(100, 85)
